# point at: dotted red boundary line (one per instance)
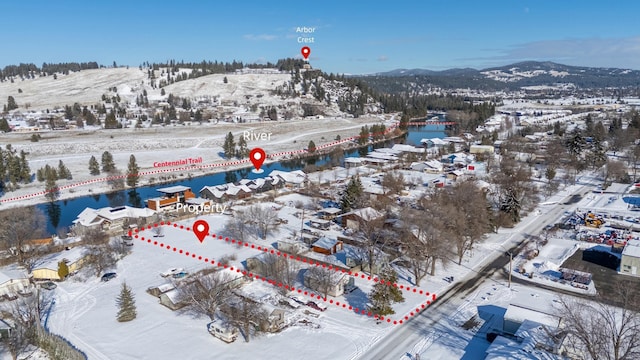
(418, 309)
(170, 170)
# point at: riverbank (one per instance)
(153, 145)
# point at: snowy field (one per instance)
(83, 301)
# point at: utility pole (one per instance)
(510, 267)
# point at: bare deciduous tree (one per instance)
(264, 219)
(18, 227)
(598, 330)
(372, 238)
(238, 226)
(205, 295)
(280, 269)
(101, 255)
(246, 314)
(322, 279)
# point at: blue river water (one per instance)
(61, 214)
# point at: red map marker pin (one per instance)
(306, 51)
(257, 157)
(201, 229)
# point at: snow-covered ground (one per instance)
(83, 302)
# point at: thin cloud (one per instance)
(383, 58)
(261, 37)
(597, 52)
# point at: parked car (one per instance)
(171, 272)
(180, 275)
(316, 306)
(49, 285)
(109, 276)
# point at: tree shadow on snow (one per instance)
(357, 298)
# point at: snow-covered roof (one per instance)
(90, 216)
(174, 189)
(366, 214)
(330, 210)
(51, 262)
(214, 190)
(434, 164)
(434, 141)
(8, 275)
(196, 201)
(325, 243)
(353, 160)
(532, 333)
(408, 148)
(293, 177)
(173, 296)
(632, 248)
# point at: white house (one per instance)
(108, 218)
(12, 282)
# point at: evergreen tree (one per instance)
(107, 162)
(243, 151)
(4, 125)
(126, 304)
(63, 171)
(162, 92)
(384, 294)
(198, 116)
(351, 198)
(52, 192)
(63, 269)
(11, 103)
(225, 80)
(110, 122)
(363, 138)
(132, 172)
(94, 166)
(40, 175)
(229, 146)
(311, 147)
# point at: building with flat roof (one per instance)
(630, 260)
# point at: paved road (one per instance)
(401, 341)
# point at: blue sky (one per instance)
(351, 36)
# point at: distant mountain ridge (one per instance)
(514, 76)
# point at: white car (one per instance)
(171, 272)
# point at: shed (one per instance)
(630, 261)
(171, 299)
(327, 246)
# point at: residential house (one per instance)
(160, 289)
(328, 213)
(481, 149)
(455, 175)
(292, 179)
(352, 219)
(48, 269)
(6, 329)
(13, 282)
(327, 246)
(109, 218)
(275, 322)
(320, 224)
(171, 196)
(333, 283)
(431, 166)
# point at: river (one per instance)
(60, 214)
